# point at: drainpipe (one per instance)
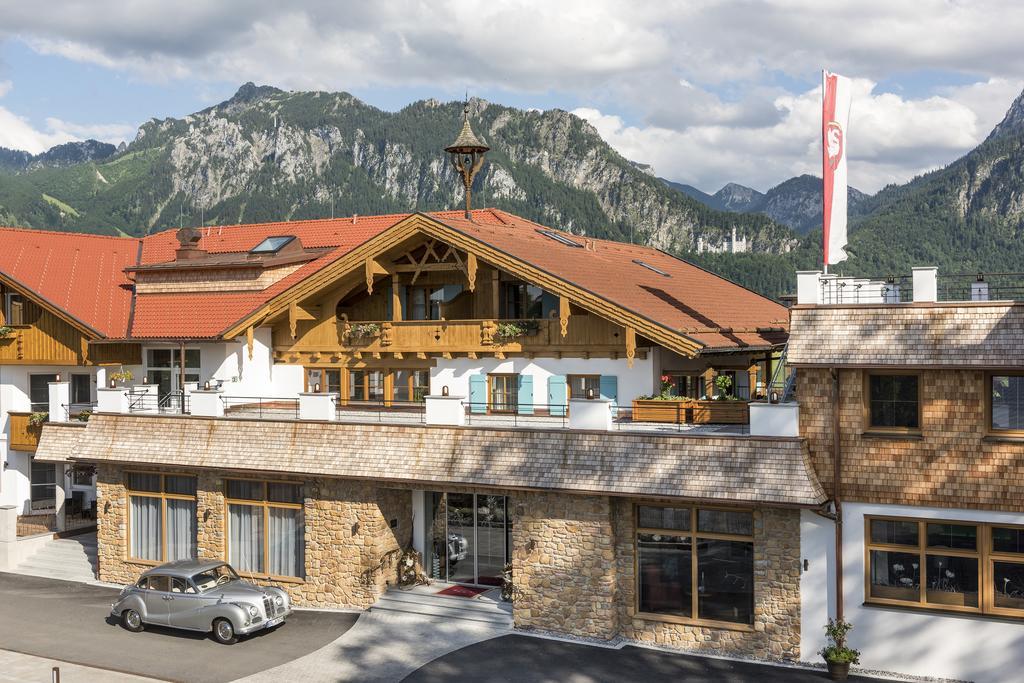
(837, 484)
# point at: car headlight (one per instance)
(279, 601)
(253, 612)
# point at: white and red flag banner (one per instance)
(835, 117)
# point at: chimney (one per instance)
(188, 245)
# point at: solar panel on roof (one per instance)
(272, 245)
(559, 237)
(648, 266)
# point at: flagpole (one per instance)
(824, 237)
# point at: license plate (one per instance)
(274, 622)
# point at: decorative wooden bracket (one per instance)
(563, 314)
(249, 340)
(84, 349)
(293, 318)
(387, 334)
(630, 346)
(471, 266)
(373, 268)
(487, 330)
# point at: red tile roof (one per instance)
(80, 274)
(83, 274)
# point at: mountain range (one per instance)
(266, 155)
(795, 202)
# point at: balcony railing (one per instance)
(925, 285)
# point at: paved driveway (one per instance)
(70, 621)
(522, 659)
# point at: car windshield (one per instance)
(213, 577)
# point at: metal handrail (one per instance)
(535, 411)
(270, 405)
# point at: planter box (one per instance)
(690, 411)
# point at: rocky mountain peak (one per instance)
(250, 92)
(736, 197)
(1013, 122)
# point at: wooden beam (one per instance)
(630, 346)
(373, 268)
(471, 266)
(429, 267)
(563, 314)
(293, 317)
(471, 355)
(495, 294)
(396, 299)
(249, 340)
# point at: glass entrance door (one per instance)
(470, 537)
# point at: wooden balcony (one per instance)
(23, 436)
(584, 334)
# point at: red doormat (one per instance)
(462, 591)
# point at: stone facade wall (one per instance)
(348, 532)
(776, 630)
(563, 564)
(953, 463)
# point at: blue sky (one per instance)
(705, 92)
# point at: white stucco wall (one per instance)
(632, 382)
(965, 647)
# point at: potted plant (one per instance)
(6, 331)
(724, 385)
(838, 656)
(122, 375)
(364, 330)
(513, 329)
(38, 419)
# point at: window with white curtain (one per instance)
(161, 516)
(266, 528)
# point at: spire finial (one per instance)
(467, 155)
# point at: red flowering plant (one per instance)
(667, 386)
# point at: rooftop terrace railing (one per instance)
(925, 285)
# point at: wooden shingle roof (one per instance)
(759, 470)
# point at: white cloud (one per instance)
(713, 91)
(890, 138)
(5, 87)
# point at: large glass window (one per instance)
(1007, 402)
(161, 516)
(266, 534)
(695, 563)
(521, 301)
(893, 402)
(81, 391)
(428, 303)
(44, 485)
(503, 393)
(366, 385)
(39, 391)
(584, 386)
(949, 565)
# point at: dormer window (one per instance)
(272, 245)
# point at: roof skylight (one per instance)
(272, 245)
(559, 237)
(648, 266)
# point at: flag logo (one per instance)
(834, 144)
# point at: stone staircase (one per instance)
(423, 601)
(68, 559)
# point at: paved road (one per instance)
(70, 621)
(522, 659)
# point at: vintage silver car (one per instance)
(200, 595)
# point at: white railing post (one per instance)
(444, 410)
(979, 291)
(60, 401)
(206, 403)
(808, 289)
(145, 397)
(317, 406)
(112, 400)
(775, 419)
(926, 287)
(590, 413)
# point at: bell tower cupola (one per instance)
(467, 155)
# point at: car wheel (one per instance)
(131, 620)
(224, 632)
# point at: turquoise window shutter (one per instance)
(558, 395)
(477, 393)
(610, 389)
(525, 397)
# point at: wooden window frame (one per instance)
(694, 578)
(164, 497)
(264, 504)
(992, 431)
(568, 384)
(901, 431)
(515, 393)
(984, 554)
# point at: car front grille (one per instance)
(268, 606)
